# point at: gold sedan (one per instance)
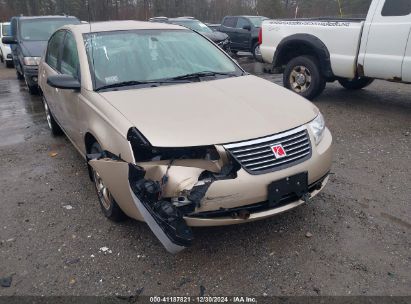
(175, 133)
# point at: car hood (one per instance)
(33, 48)
(212, 112)
(216, 36)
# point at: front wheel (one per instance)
(108, 205)
(356, 83)
(9, 64)
(19, 75)
(302, 75)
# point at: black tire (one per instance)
(256, 48)
(1, 58)
(356, 83)
(9, 64)
(303, 76)
(33, 90)
(19, 76)
(109, 206)
(53, 125)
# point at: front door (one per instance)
(406, 66)
(51, 68)
(70, 98)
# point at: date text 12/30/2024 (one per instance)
(202, 299)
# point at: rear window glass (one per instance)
(396, 8)
(230, 22)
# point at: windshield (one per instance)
(41, 29)
(194, 25)
(152, 55)
(257, 21)
(5, 30)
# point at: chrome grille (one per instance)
(256, 156)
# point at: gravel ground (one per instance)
(352, 239)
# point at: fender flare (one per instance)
(314, 44)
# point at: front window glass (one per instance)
(242, 22)
(53, 49)
(6, 30)
(152, 55)
(195, 25)
(42, 29)
(257, 21)
(70, 60)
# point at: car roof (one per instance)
(183, 19)
(109, 26)
(44, 17)
(248, 16)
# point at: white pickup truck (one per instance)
(311, 52)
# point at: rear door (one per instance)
(229, 27)
(70, 98)
(387, 39)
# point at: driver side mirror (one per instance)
(8, 40)
(247, 27)
(65, 82)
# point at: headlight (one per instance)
(32, 60)
(317, 127)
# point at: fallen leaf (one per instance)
(53, 154)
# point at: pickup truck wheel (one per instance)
(9, 64)
(356, 83)
(303, 76)
(53, 125)
(108, 205)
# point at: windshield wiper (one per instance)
(202, 74)
(135, 83)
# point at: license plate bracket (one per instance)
(293, 185)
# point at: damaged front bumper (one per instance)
(173, 195)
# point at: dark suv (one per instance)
(28, 43)
(243, 32)
(221, 39)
